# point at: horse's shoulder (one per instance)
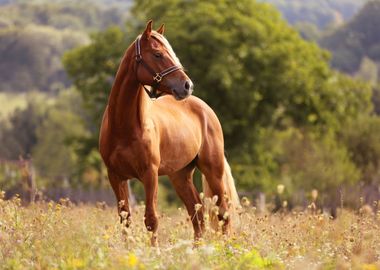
(200, 106)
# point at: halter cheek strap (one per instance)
(157, 76)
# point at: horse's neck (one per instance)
(127, 104)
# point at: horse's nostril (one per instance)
(187, 85)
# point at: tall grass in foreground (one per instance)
(65, 236)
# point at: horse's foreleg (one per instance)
(120, 187)
(150, 181)
(183, 184)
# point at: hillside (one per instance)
(355, 46)
(322, 13)
(33, 38)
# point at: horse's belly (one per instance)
(176, 156)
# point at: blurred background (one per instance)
(295, 84)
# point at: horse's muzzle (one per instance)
(183, 91)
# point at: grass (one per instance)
(48, 235)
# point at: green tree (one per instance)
(362, 139)
(18, 133)
(54, 153)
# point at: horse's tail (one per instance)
(231, 193)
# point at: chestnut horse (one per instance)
(143, 138)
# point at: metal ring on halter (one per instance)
(157, 76)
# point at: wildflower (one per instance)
(215, 210)
(280, 189)
(369, 267)
(76, 263)
(197, 207)
(201, 195)
(214, 199)
(121, 203)
(124, 214)
(245, 202)
(132, 260)
(225, 216)
(312, 206)
(284, 204)
(314, 194)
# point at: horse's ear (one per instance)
(161, 30)
(148, 30)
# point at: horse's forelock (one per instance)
(168, 47)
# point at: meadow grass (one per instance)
(49, 235)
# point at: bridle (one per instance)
(157, 76)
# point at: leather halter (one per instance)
(157, 76)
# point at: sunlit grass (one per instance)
(65, 236)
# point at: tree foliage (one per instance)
(18, 133)
(40, 48)
(362, 139)
(54, 153)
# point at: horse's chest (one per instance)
(132, 160)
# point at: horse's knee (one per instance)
(151, 222)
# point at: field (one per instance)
(48, 235)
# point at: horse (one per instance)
(144, 138)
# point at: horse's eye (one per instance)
(157, 54)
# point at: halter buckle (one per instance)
(157, 78)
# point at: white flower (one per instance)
(214, 199)
(197, 206)
(121, 203)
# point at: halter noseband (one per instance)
(157, 76)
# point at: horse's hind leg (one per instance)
(183, 184)
(211, 164)
(120, 188)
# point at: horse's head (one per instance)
(158, 66)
